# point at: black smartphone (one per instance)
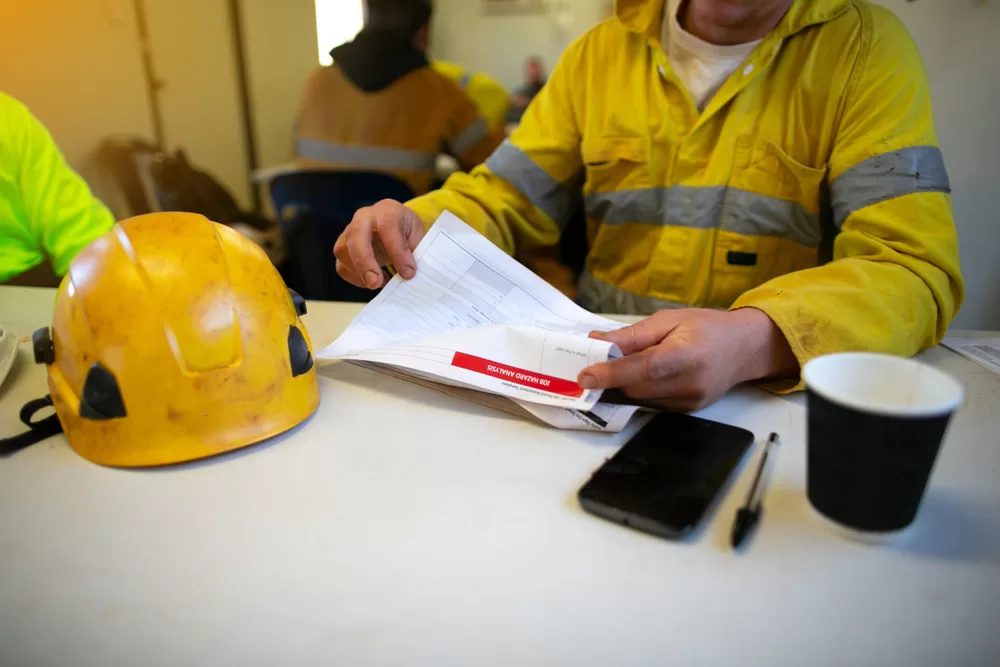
(668, 476)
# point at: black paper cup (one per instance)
(875, 426)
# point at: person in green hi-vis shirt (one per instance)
(47, 212)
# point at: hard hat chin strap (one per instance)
(40, 430)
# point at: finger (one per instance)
(644, 334)
(340, 248)
(345, 266)
(681, 393)
(665, 389)
(345, 272)
(674, 404)
(414, 229)
(359, 246)
(381, 256)
(389, 226)
(653, 363)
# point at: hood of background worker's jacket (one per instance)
(375, 59)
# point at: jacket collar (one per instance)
(645, 16)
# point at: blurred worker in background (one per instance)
(47, 213)
(534, 75)
(381, 107)
(488, 94)
(762, 176)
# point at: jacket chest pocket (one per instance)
(615, 163)
(770, 220)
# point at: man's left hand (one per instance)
(687, 359)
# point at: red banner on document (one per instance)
(525, 378)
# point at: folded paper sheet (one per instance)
(474, 318)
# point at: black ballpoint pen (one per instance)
(749, 515)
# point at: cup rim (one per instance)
(819, 364)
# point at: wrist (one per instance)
(767, 352)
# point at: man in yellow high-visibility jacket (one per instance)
(381, 107)
(762, 175)
(47, 213)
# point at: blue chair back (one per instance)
(313, 208)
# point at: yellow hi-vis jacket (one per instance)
(399, 130)
(811, 187)
(488, 94)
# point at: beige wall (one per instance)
(194, 57)
(281, 51)
(958, 40)
(499, 45)
(76, 64)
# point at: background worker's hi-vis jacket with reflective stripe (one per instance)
(488, 94)
(822, 145)
(400, 129)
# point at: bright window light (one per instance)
(337, 21)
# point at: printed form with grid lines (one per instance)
(475, 321)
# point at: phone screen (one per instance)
(666, 478)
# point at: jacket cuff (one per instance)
(805, 348)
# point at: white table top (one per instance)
(399, 526)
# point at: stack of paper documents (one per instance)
(983, 351)
(476, 323)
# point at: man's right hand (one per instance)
(378, 236)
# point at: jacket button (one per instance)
(748, 69)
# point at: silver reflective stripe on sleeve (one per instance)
(731, 209)
(598, 296)
(469, 137)
(464, 80)
(887, 176)
(556, 200)
(366, 157)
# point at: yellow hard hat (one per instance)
(174, 338)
